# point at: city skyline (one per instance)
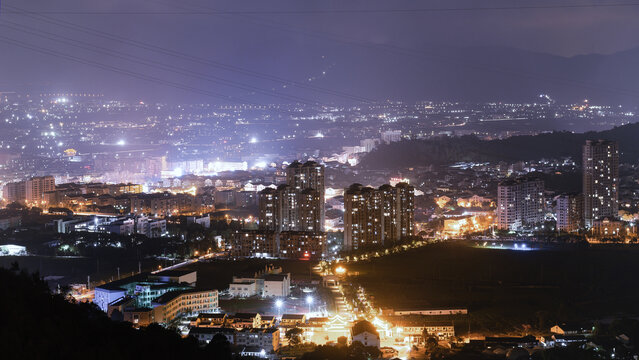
(343, 180)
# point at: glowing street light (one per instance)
(309, 301)
(278, 304)
(340, 270)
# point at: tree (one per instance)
(294, 336)
(342, 341)
(324, 352)
(219, 348)
(430, 341)
(33, 306)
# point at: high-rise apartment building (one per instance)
(569, 212)
(297, 205)
(289, 208)
(14, 192)
(30, 191)
(269, 204)
(398, 207)
(374, 217)
(310, 215)
(294, 213)
(363, 217)
(600, 180)
(520, 202)
(309, 175)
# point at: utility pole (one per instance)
(139, 267)
(118, 273)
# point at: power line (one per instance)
(195, 59)
(419, 53)
(283, 84)
(331, 11)
(130, 73)
(333, 37)
(155, 64)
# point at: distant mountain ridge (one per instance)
(495, 74)
(445, 150)
(376, 72)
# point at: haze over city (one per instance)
(319, 180)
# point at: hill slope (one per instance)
(443, 151)
(38, 325)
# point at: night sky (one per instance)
(316, 42)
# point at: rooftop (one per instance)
(209, 330)
(293, 317)
(211, 316)
(118, 284)
(245, 315)
(363, 326)
(165, 298)
(174, 273)
(275, 277)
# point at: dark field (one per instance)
(212, 274)
(76, 269)
(504, 289)
(217, 274)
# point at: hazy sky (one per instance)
(275, 37)
(561, 31)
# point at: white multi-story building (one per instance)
(391, 136)
(364, 332)
(107, 294)
(277, 285)
(368, 144)
(520, 203)
(271, 283)
(244, 288)
(264, 339)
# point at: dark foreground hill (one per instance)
(35, 324)
(445, 150)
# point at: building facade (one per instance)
(600, 180)
(291, 217)
(269, 209)
(375, 217)
(520, 203)
(366, 333)
(297, 205)
(569, 212)
(301, 244)
(165, 204)
(254, 243)
(185, 302)
(30, 191)
(309, 175)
